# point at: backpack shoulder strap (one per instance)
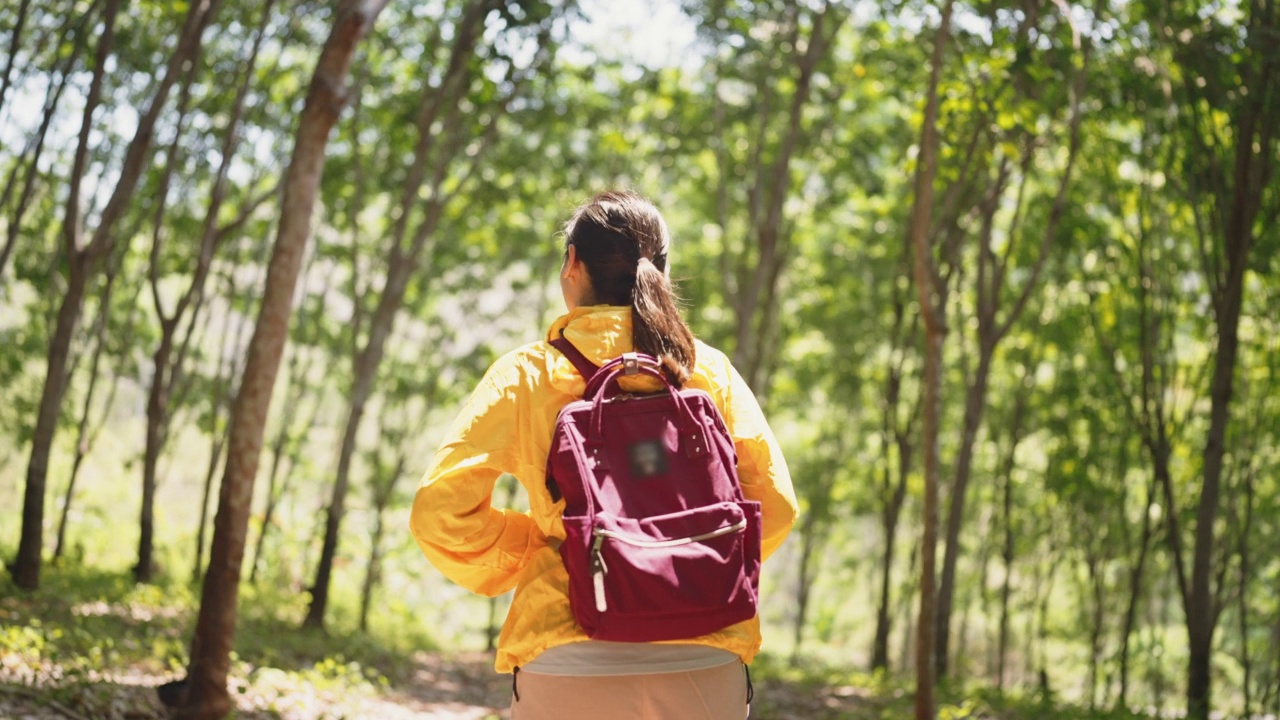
(585, 367)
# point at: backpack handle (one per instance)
(691, 432)
(601, 380)
(631, 363)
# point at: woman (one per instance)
(619, 298)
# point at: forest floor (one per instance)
(93, 646)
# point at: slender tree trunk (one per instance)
(1246, 662)
(223, 392)
(1202, 613)
(804, 580)
(1095, 626)
(83, 440)
(287, 445)
(157, 417)
(1006, 585)
(372, 571)
(768, 196)
(1157, 672)
(1006, 524)
(991, 330)
(1042, 633)
(206, 695)
(1136, 576)
(891, 514)
(975, 401)
(906, 655)
(26, 568)
(400, 268)
(1238, 202)
(169, 367)
(893, 496)
(285, 452)
(382, 493)
(933, 301)
(216, 445)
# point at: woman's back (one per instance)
(507, 427)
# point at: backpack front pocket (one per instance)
(669, 576)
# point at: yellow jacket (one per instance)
(506, 427)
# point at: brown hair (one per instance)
(623, 241)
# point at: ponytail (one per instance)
(656, 326)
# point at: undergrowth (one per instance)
(86, 629)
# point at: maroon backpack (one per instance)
(659, 542)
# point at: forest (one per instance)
(1004, 275)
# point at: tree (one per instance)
(932, 293)
(994, 278)
(170, 356)
(205, 695)
(446, 155)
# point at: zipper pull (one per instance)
(598, 570)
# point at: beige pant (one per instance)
(718, 693)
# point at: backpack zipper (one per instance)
(599, 569)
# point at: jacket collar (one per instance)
(600, 332)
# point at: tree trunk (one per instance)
(933, 301)
(1253, 129)
(1006, 585)
(169, 368)
(804, 579)
(401, 266)
(285, 451)
(890, 516)
(1246, 532)
(1201, 611)
(1237, 201)
(768, 198)
(298, 385)
(26, 568)
(975, 401)
(83, 432)
(1006, 523)
(1135, 593)
(1046, 688)
(223, 392)
(157, 418)
(892, 495)
(382, 493)
(1096, 582)
(992, 329)
(206, 695)
(372, 571)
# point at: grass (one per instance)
(86, 629)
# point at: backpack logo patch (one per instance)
(648, 458)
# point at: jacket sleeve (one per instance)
(761, 467)
(480, 547)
